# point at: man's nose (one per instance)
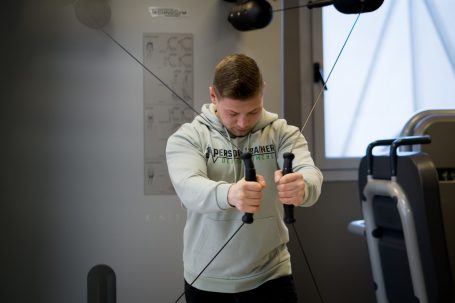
(242, 122)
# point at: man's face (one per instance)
(238, 116)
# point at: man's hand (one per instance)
(290, 187)
(246, 195)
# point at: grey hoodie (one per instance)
(203, 161)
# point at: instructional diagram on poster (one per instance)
(170, 58)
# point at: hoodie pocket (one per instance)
(256, 248)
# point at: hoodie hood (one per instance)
(209, 118)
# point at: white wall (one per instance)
(73, 149)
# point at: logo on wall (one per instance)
(166, 12)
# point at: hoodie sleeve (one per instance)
(187, 168)
(291, 139)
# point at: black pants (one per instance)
(281, 290)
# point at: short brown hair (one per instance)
(237, 77)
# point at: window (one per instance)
(398, 61)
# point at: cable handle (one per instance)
(287, 168)
(250, 175)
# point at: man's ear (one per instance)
(212, 95)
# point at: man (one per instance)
(205, 167)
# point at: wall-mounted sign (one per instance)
(166, 12)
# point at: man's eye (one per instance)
(233, 114)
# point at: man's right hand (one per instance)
(246, 196)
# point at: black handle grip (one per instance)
(411, 140)
(250, 175)
(287, 168)
(369, 152)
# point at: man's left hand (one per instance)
(290, 187)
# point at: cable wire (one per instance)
(210, 262)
